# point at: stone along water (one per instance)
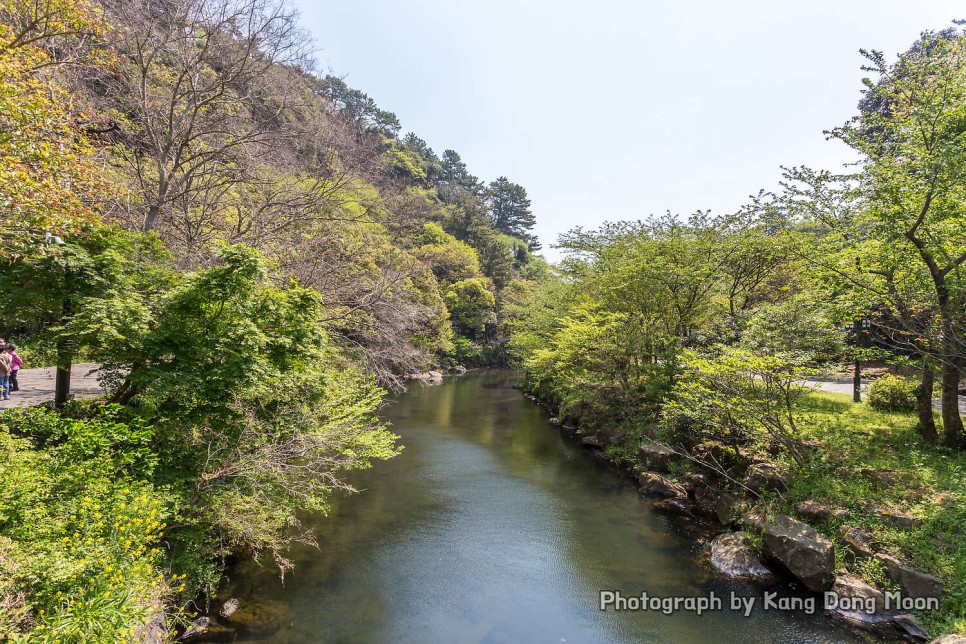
(492, 527)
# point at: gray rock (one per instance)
(914, 583)
(429, 378)
(733, 557)
(804, 552)
(673, 504)
(818, 512)
(657, 458)
(898, 519)
(765, 476)
(949, 639)
(553, 420)
(857, 540)
(591, 440)
(909, 625)
(196, 628)
(458, 370)
(657, 485)
(852, 600)
(229, 607)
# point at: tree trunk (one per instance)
(952, 421)
(927, 423)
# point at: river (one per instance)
(493, 527)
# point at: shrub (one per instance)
(893, 393)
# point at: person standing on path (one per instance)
(5, 366)
(15, 363)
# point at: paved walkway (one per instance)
(37, 385)
(844, 386)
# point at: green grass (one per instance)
(876, 460)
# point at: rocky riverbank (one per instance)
(756, 544)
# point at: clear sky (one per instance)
(606, 109)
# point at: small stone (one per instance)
(949, 639)
(857, 540)
(898, 519)
(196, 628)
(818, 512)
(553, 420)
(591, 440)
(229, 607)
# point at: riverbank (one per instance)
(872, 511)
(488, 527)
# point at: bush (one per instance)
(893, 393)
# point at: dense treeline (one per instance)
(699, 334)
(253, 253)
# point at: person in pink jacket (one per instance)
(15, 364)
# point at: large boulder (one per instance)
(804, 552)
(657, 485)
(912, 582)
(765, 476)
(733, 557)
(858, 603)
(657, 458)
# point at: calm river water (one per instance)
(492, 527)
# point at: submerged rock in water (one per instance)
(197, 627)
(229, 607)
(733, 557)
(259, 619)
(802, 550)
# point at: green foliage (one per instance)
(80, 527)
(740, 398)
(471, 304)
(892, 393)
(797, 327)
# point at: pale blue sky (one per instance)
(612, 110)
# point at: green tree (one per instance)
(471, 304)
(913, 168)
(509, 209)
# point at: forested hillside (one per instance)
(254, 253)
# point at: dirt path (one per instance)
(37, 385)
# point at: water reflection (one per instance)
(492, 527)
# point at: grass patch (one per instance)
(874, 460)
